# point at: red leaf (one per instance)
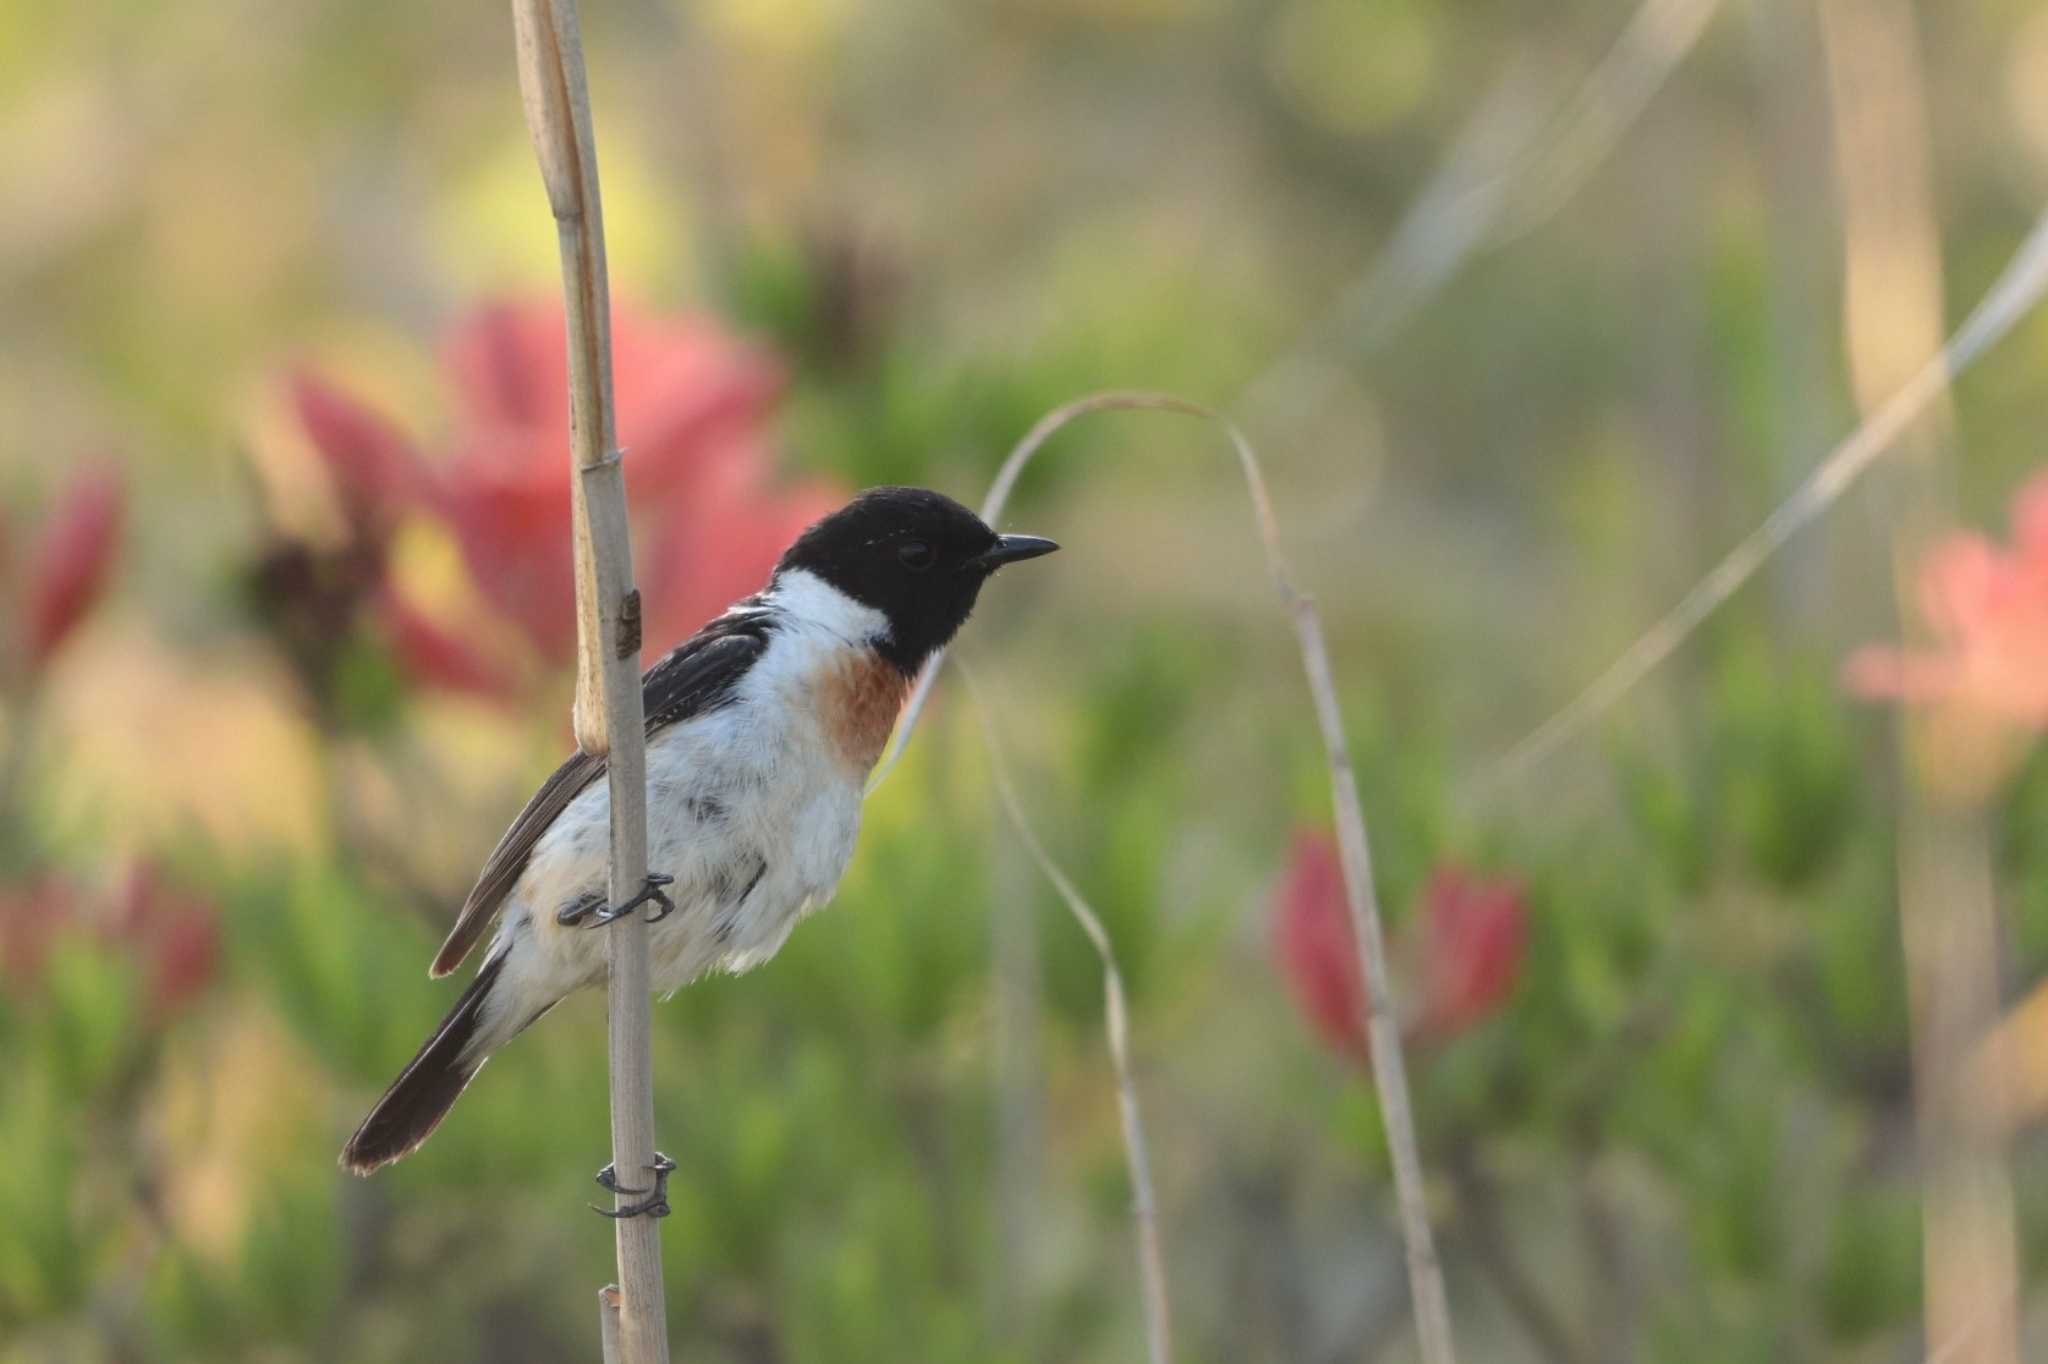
(175, 936)
(1468, 939)
(1987, 609)
(1474, 935)
(69, 569)
(685, 391)
(184, 957)
(514, 529)
(510, 364)
(690, 399)
(435, 657)
(715, 546)
(710, 525)
(1316, 948)
(375, 469)
(31, 918)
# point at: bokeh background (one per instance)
(1532, 312)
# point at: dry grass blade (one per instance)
(608, 716)
(1144, 1204)
(1390, 1075)
(1449, 220)
(2009, 299)
(1656, 39)
(1506, 173)
(1947, 887)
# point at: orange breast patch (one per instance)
(859, 701)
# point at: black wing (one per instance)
(699, 674)
(696, 677)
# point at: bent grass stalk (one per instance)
(1504, 175)
(2015, 293)
(1390, 1076)
(1116, 1021)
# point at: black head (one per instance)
(916, 556)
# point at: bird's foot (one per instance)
(652, 891)
(656, 1202)
(655, 881)
(579, 909)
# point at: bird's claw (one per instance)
(651, 891)
(655, 881)
(656, 1202)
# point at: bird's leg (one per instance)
(579, 908)
(656, 1202)
(612, 913)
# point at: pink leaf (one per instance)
(1474, 931)
(1316, 949)
(70, 566)
(709, 523)
(1987, 610)
(436, 657)
(375, 469)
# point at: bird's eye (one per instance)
(916, 556)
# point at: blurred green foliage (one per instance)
(1691, 1122)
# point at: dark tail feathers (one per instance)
(427, 1088)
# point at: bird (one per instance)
(762, 729)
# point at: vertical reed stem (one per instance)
(1947, 909)
(607, 716)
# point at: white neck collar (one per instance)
(807, 599)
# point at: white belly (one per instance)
(759, 848)
(756, 823)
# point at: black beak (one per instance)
(1010, 549)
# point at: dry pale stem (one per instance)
(608, 715)
(1506, 173)
(1946, 900)
(1144, 1204)
(2011, 298)
(1390, 1076)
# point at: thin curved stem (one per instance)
(1116, 1016)
(1390, 1075)
(2016, 292)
